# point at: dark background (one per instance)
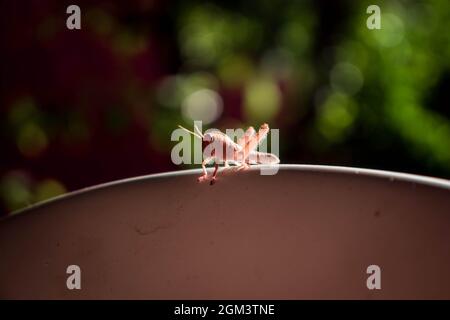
(82, 107)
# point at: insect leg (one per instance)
(205, 173)
(248, 135)
(213, 179)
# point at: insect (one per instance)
(220, 148)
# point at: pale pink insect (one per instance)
(243, 153)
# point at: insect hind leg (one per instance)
(257, 157)
(213, 179)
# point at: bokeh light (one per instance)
(203, 105)
(32, 140)
(346, 78)
(262, 100)
(47, 189)
(336, 117)
(15, 190)
(392, 31)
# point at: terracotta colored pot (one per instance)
(306, 232)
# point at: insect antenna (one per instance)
(191, 132)
(198, 131)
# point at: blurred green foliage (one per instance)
(340, 94)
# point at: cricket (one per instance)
(221, 149)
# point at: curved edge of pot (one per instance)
(374, 173)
